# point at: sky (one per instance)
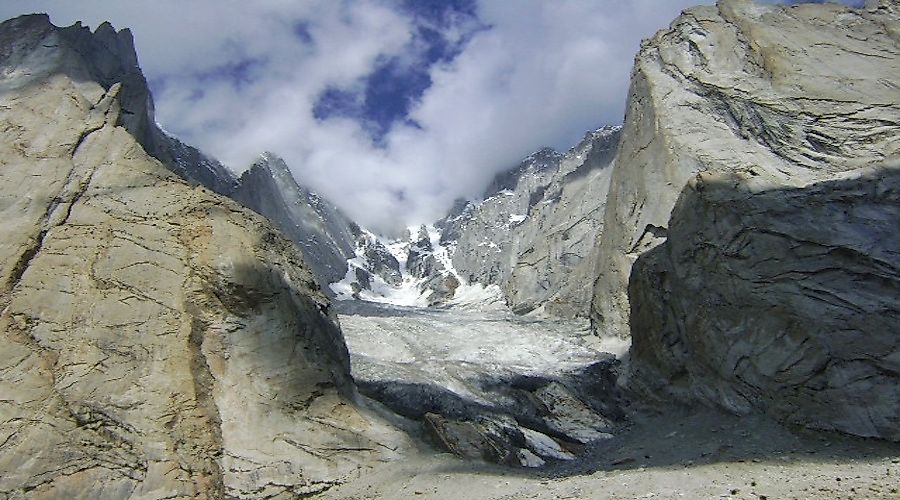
(389, 108)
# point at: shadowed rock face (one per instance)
(319, 229)
(772, 284)
(790, 95)
(158, 340)
(784, 301)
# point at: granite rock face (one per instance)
(556, 245)
(34, 49)
(326, 237)
(777, 300)
(484, 250)
(158, 340)
(771, 285)
(792, 94)
(535, 232)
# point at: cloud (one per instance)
(390, 108)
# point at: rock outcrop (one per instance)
(781, 300)
(420, 260)
(556, 245)
(484, 250)
(377, 259)
(793, 94)
(33, 49)
(777, 130)
(158, 340)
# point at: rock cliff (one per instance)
(792, 94)
(158, 340)
(484, 251)
(326, 237)
(34, 49)
(556, 245)
(771, 285)
(535, 232)
(781, 300)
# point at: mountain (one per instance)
(326, 237)
(163, 340)
(37, 50)
(527, 243)
(740, 227)
(158, 340)
(756, 194)
(534, 233)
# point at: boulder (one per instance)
(782, 301)
(750, 243)
(790, 95)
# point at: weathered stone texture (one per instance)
(794, 95)
(771, 285)
(158, 340)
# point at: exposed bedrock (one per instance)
(792, 95)
(784, 301)
(772, 284)
(158, 340)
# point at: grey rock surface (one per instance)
(158, 340)
(323, 233)
(38, 49)
(379, 260)
(420, 261)
(771, 285)
(535, 233)
(484, 250)
(441, 288)
(34, 49)
(777, 300)
(556, 245)
(794, 94)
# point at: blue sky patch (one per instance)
(387, 95)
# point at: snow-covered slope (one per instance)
(528, 244)
(427, 276)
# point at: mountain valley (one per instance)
(701, 302)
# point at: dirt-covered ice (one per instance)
(458, 349)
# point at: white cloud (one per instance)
(544, 73)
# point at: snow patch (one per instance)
(544, 445)
(529, 459)
(406, 294)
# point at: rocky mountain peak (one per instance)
(538, 164)
(32, 49)
(542, 155)
(269, 163)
